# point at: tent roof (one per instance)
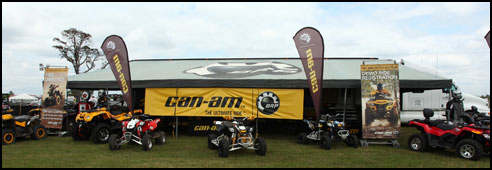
(23, 97)
(250, 73)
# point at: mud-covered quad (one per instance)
(381, 108)
(99, 124)
(54, 96)
(21, 126)
(139, 129)
(327, 131)
(233, 134)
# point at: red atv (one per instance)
(470, 141)
(139, 129)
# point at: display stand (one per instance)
(393, 142)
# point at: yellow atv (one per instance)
(21, 126)
(99, 124)
(381, 108)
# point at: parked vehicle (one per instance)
(413, 103)
(21, 126)
(471, 140)
(327, 131)
(233, 134)
(99, 124)
(139, 129)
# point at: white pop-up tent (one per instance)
(23, 99)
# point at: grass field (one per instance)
(192, 151)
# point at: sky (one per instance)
(447, 37)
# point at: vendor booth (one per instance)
(219, 87)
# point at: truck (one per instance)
(413, 104)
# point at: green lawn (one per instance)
(191, 151)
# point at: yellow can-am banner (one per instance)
(218, 102)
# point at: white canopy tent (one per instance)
(23, 99)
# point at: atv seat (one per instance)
(228, 124)
(444, 126)
(118, 112)
(22, 118)
(428, 113)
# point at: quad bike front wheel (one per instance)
(260, 146)
(302, 138)
(469, 149)
(114, 142)
(39, 132)
(147, 142)
(325, 142)
(77, 135)
(101, 133)
(224, 147)
(8, 137)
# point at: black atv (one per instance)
(328, 130)
(21, 126)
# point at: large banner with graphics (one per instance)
(380, 101)
(117, 55)
(218, 102)
(54, 87)
(309, 44)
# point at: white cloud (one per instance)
(197, 30)
(461, 8)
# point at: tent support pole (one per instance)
(344, 105)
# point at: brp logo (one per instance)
(268, 103)
(305, 38)
(111, 45)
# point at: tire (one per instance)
(469, 149)
(301, 138)
(161, 139)
(147, 143)
(209, 141)
(39, 132)
(114, 142)
(325, 142)
(224, 147)
(352, 141)
(8, 136)
(418, 142)
(368, 116)
(58, 99)
(76, 135)
(101, 133)
(260, 146)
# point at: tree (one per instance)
(75, 48)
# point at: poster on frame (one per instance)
(380, 96)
